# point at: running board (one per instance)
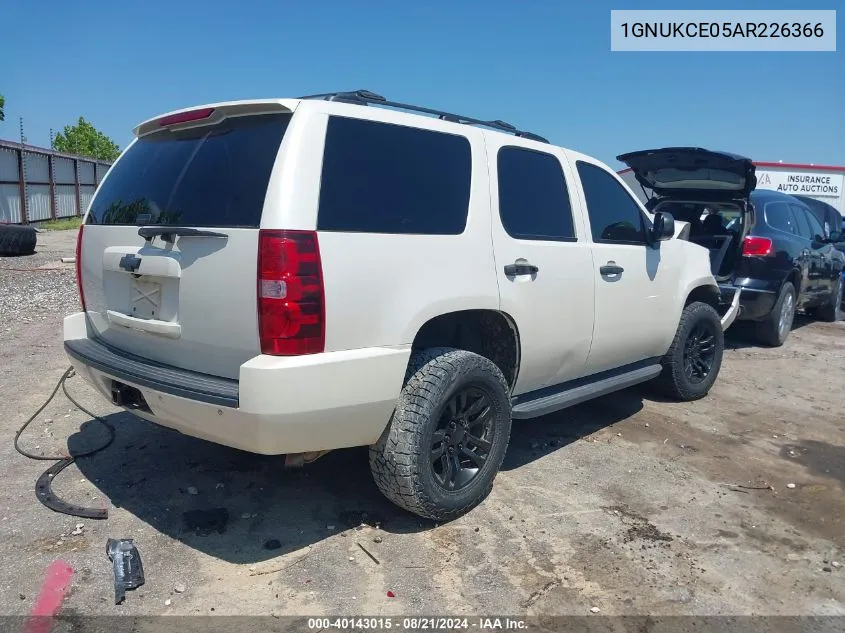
(545, 402)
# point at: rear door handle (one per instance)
(513, 270)
(611, 268)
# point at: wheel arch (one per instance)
(489, 333)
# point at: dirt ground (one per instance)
(734, 504)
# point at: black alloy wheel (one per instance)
(700, 352)
(463, 438)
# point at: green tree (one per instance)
(2, 105)
(84, 139)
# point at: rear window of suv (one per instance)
(210, 176)
(385, 178)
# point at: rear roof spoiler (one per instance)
(211, 114)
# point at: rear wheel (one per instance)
(691, 365)
(832, 310)
(774, 329)
(447, 437)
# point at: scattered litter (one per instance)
(510, 518)
(476, 529)
(272, 544)
(179, 587)
(77, 531)
(594, 609)
(826, 568)
(775, 436)
(535, 445)
(128, 570)
(646, 423)
(252, 568)
(21, 596)
(246, 515)
(48, 420)
(377, 539)
(168, 602)
(330, 527)
(390, 594)
(219, 486)
(68, 260)
(67, 415)
(192, 490)
(835, 564)
(620, 435)
(204, 522)
(374, 559)
(790, 485)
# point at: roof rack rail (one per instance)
(366, 97)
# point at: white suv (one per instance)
(298, 275)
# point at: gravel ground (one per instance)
(734, 504)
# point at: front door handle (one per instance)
(512, 270)
(611, 268)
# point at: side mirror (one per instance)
(663, 227)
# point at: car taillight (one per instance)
(757, 246)
(291, 310)
(79, 267)
(185, 117)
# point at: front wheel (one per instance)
(447, 437)
(691, 365)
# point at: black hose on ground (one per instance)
(43, 489)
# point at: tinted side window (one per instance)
(801, 222)
(384, 178)
(614, 215)
(533, 198)
(816, 228)
(212, 176)
(779, 217)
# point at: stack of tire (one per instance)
(17, 240)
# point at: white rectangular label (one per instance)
(801, 183)
(739, 30)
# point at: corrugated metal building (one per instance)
(822, 182)
(38, 184)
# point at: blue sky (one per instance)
(545, 66)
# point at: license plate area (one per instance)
(145, 299)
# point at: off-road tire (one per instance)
(673, 381)
(832, 310)
(17, 240)
(400, 461)
(768, 331)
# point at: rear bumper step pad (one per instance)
(146, 373)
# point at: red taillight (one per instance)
(757, 246)
(185, 117)
(79, 267)
(291, 310)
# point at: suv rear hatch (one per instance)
(693, 183)
(168, 252)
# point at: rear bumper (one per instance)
(754, 304)
(278, 405)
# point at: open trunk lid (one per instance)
(692, 172)
(169, 248)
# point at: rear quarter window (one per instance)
(211, 176)
(384, 178)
